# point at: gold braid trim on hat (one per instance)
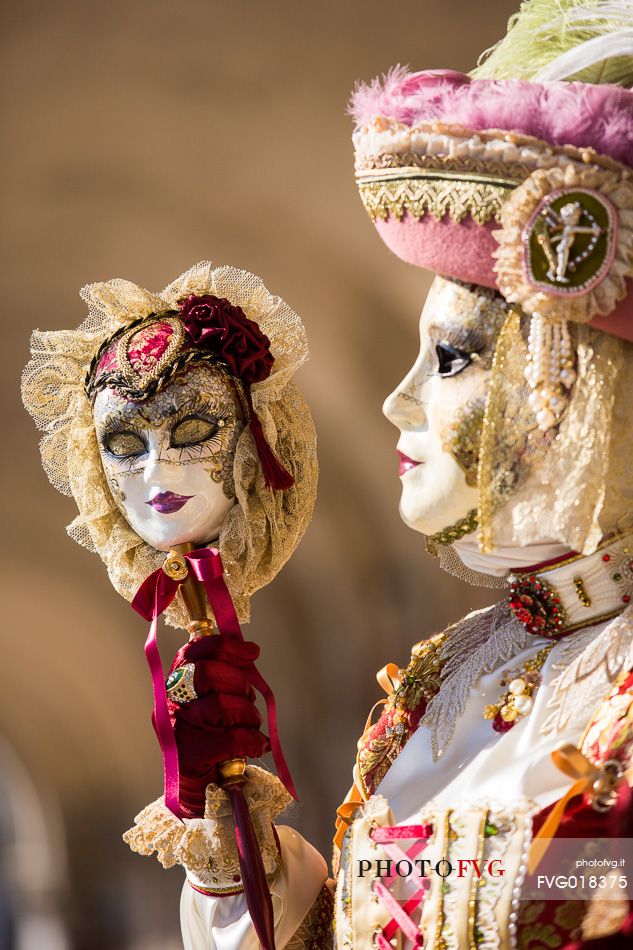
(440, 145)
(514, 172)
(264, 527)
(446, 169)
(420, 193)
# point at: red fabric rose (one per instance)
(214, 323)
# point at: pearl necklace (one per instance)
(550, 372)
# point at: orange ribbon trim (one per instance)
(388, 680)
(344, 813)
(572, 762)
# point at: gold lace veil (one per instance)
(264, 527)
(572, 484)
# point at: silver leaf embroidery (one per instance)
(590, 662)
(481, 643)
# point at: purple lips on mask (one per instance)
(168, 502)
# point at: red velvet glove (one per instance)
(222, 723)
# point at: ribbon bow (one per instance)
(573, 763)
(152, 598)
(389, 679)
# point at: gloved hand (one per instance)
(222, 723)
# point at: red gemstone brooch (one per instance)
(536, 605)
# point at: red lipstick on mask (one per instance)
(406, 463)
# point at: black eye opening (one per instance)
(451, 360)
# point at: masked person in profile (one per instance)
(511, 731)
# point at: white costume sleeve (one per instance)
(223, 923)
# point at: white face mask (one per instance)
(169, 460)
(438, 406)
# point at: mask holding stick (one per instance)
(172, 420)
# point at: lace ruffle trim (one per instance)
(206, 846)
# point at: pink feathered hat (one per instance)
(522, 186)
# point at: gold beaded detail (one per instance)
(521, 685)
(453, 533)
(583, 596)
(382, 743)
(467, 439)
(492, 428)
(603, 794)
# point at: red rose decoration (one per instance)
(523, 615)
(214, 323)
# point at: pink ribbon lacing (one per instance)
(387, 836)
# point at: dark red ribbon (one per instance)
(152, 598)
(276, 476)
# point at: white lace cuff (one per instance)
(206, 847)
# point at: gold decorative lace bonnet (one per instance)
(264, 526)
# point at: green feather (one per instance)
(543, 30)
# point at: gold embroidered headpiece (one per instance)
(140, 359)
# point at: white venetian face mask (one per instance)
(169, 460)
(438, 407)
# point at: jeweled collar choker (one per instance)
(553, 600)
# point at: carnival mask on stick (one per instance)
(172, 420)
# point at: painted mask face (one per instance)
(169, 460)
(438, 407)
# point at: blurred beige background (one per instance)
(140, 137)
